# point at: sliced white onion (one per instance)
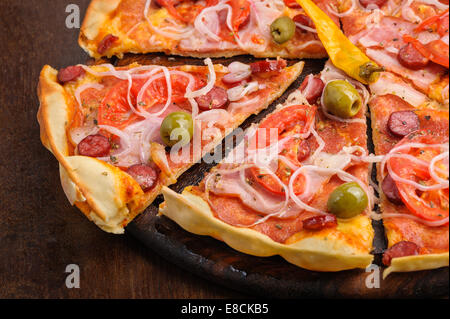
(306, 28)
(238, 92)
(436, 223)
(211, 81)
(433, 171)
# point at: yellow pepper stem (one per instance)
(342, 52)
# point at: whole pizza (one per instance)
(299, 183)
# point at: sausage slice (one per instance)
(411, 58)
(216, 98)
(401, 123)
(94, 146)
(400, 249)
(145, 175)
(70, 73)
(390, 190)
(320, 222)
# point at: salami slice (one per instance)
(145, 175)
(94, 146)
(401, 249)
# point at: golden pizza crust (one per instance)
(96, 15)
(104, 193)
(416, 263)
(314, 253)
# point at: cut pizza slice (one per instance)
(408, 38)
(411, 134)
(205, 28)
(120, 134)
(296, 186)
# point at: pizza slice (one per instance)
(120, 134)
(296, 186)
(204, 28)
(411, 134)
(408, 38)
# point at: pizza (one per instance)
(411, 133)
(296, 186)
(122, 133)
(408, 38)
(204, 28)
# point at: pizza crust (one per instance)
(104, 193)
(96, 15)
(316, 253)
(416, 263)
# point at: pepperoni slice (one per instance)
(70, 73)
(216, 98)
(390, 190)
(106, 43)
(402, 123)
(400, 249)
(94, 146)
(312, 91)
(145, 175)
(411, 58)
(320, 222)
(378, 3)
(268, 66)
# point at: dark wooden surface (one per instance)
(40, 233)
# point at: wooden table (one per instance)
(40, 234)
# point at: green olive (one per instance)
(341, 99)
(177, 127)
(282, 29)
(347, 200)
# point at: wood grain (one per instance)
(40, 233)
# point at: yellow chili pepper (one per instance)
(342, 52)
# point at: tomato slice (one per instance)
(441, 20)
(429, 205)
(240, 13)
(437, 50)
(156, 92)
(115, 109)
(170, 6)
(296, 119)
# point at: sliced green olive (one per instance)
(177, 127)
(347, 200)
(282, 29)
(342, 99)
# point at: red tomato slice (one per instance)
(115, 109)
(170, 6)
(430, 205)
(156, 92)
(241, 13)
(440, 19)
(295, 119)
(437, 51)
